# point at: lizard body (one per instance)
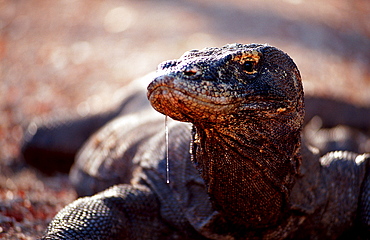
(240, 171)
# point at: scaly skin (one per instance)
(250, 177)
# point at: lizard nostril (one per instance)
(192, 71)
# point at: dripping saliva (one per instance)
(167, 157)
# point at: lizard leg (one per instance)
(364, 203)
(120, 212)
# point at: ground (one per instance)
(67, 57)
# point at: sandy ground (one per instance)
(55, 56)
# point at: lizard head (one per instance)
(246, 105)
(233, 83)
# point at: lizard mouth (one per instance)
(187, 101)
(183, 106)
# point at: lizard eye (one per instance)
(248, 66)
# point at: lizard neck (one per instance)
(249, 174)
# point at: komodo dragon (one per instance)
(238, 171)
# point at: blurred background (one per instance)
(69, 56)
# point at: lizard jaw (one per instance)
(184, 107)
(180, 101)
